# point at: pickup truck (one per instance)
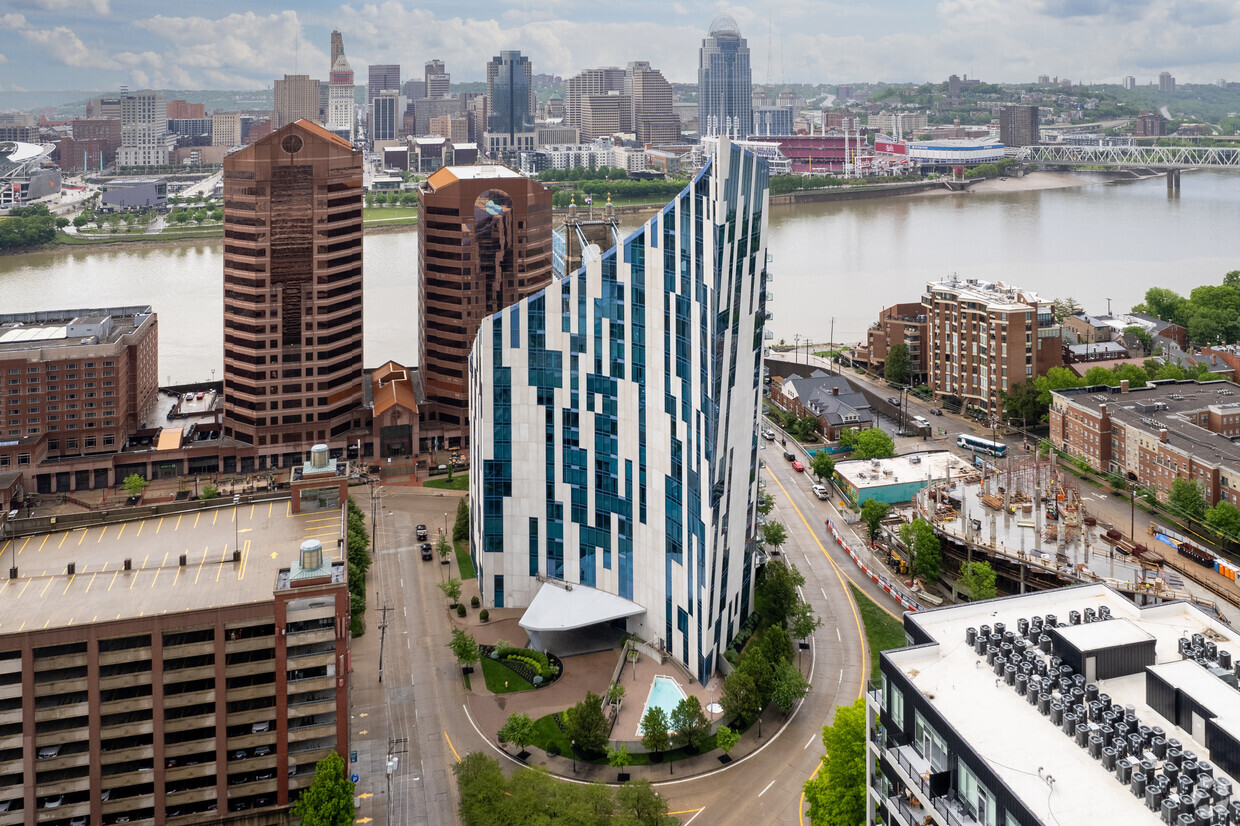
(821, 492)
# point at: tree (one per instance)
(755, 665)
(1141, 335)
(1056, 378)
(1224, 517)
(451, 589)
(777, 590)
(776, 645)
(1061, 308)
(836, 794)
(690, 723)
(483, 788)
(587, 725)
(873, 443)
(899, 366)
(460, 528)
(328, 801)
(803, 622)
(979, 579)
(726, 739)
(804, 428)
(873, 512)
(925, 552)
(134, 484)
(822, 465)
(1166, 304)
(209, 492)
(739, 698)
(774, 534)
(442, 547)
(654, 730)
(1020, 402)
(619, 757)
(464, 646)
(639, 799)
(518, 729)
(1187, 499)
(789, 686)
(765, 503)
(615, 693)
(81, 221)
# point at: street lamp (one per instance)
(572, 747)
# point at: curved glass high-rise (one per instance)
(725, 84)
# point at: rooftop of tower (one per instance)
(725, 26)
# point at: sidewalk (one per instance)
(368, 720)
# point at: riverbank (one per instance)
(1035, 181)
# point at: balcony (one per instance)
(916, 772)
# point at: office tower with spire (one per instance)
(341, 111)
(337, 46)
(725, 85)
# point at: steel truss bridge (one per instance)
(1155, 157)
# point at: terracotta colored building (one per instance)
(1155, 434)
(185, 109)
(898, 324)
(484, 243)
(985, 338)
(293, 293)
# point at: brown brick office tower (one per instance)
(484, 243)
(293, 293)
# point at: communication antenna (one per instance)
(769, 36)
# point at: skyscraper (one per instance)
(1166, 83)
(386, 113)
(381, 77)
(294, 98)
(337, 48)
(143, 123)
(502, 220)
(590, 82)
(1019, 126)
(614, 418)
(341, 110)
(725, 87)
(438, 81)
(292, 291)
(651, 95)
(510, 95)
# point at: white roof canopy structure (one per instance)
(563, 607)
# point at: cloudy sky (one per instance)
(228, 44)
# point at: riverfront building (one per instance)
(293, 292)
(1156, 434)
(986, 337)
(1020, 125)
(725, 87)
(614, 418)
(898, 324)
(217, 691)
(484, 242)
(1066, 707)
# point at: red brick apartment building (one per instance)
(986, 337)
(1156, 434)
(898, 324)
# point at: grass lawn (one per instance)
(496, 674)
(882, 631)
(458, 482)
(376, 213)
(547, 732)
(464, 562)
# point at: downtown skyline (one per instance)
(55, 44)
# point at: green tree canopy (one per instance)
(451, 589)
(874, 443)
(726, 739)
(638, 799)
(926, 558)
(898, 368)
(1224, 517)
(803, 622)
(328, 801)
(689, 723)
(460, 528)
(1056, 378)
(740, 698)
(789, 686)
(1187, 499)
(777, 590)
(979, 579)
(774, 534)
(776, 644)
(518, 729)
(873, 512)
(822, 465)
(836, 794)
(134, 484)
(654, 730)
(463, 646)
(587, 725)
(1021, 403)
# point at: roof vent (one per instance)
(311, 553)
(318, 457)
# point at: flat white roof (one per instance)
(1013, 738)
(563, 607)
(34, 333)
(1205, 688)
(483, 171)
(1093, 635)
(910, 467)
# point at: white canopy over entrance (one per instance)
(559, 607)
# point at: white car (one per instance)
(768, 434)
(821, 492)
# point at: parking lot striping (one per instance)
(141, 525)
(160, 569)
(45, 587)
(270, 505)
(206, 549)
(101, 533)
(160, 525)
(122, 533)
(177, 527)
(113, 582)
(252, 507)
(24, 587)
(245, 557)
(69, 584)
(83, 537)
(215, 515)
(44, 542)
(92, 582)
(197, 516)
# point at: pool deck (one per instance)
(636, 692)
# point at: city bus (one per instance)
(981, 445)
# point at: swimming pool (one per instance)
(664, 693)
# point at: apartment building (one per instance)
(1020, 125)
(898, 324)
(604, 115)
(484, 243)
(143, 124)
(182, 109)
(590, 82)
(1155, 434)
(215, 693)
(293, 292)
(294, 97)
(226, 129)
(1066, 707)
(76, 382)
(986, 337)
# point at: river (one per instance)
(844, 260)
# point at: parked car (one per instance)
(53, 802)
(45, 752)
(893, 400)
(768, 434)
(261, 726)
(821, 492)
(934, 411)
(262, 751)
(428, 553)
(240, 754)
(798, 467)
(790, 456)
(421, 531)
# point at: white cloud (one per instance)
(101, 7)
(3, 59)
(14, 22)
(62, 45)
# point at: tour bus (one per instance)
(981, 445)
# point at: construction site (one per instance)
(1029, 521)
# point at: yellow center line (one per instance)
(288, 508)
(687, 811)
(101, 533)
(454, 754)
(215, 515)
(122, 531)
(203, 562)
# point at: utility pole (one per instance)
(392, 762)
(382, 634)
(831, 346)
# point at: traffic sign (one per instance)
(355, 777)
(352, 757)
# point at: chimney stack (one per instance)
(1123, 385)
(1162, 434)
(835, 390)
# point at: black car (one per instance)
(790, 456)
(421, 530)
(428, 552)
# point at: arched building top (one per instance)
(725, 25)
